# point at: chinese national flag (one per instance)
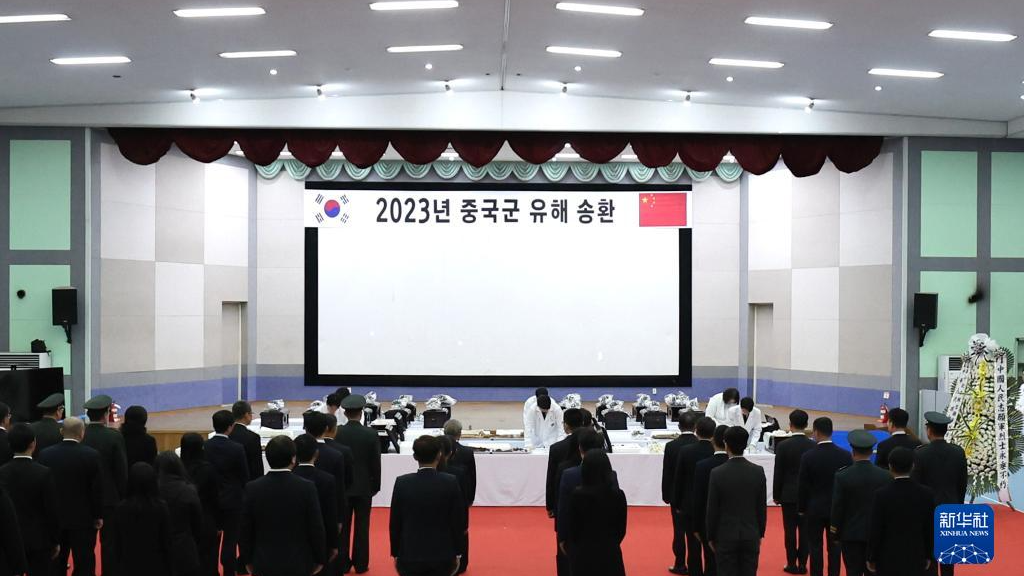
(663, 210)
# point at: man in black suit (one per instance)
(47, 428)
(854, 491)
(346, 452)
(330, 461)
(249, 440)
(34, 494)
(818, 468)
(902, 522)
(942, 467)
(572, 420)
(5, 423)
(307, 452)
(687, 421)
(79, 482)
(428, 516)
(365, 448)
(282, 530)
(228, 458)
(737, 512)
(788, 453)
(898, 437)
(699, 510)
(466, 459)
(114, 466)
(682, 489)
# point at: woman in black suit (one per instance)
(141, 527)
(186, 513)
(207, 484)
(597, 520)
(139, 446)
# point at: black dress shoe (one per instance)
(363, 570)
(678, 570)
(791, 570)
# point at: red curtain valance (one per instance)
(803, 155)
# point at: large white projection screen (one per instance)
(496, 298)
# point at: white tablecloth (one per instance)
(518, 479)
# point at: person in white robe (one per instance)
(542, 424)
(749, 417)
(719, 405)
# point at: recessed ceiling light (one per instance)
(578, 68)
(219, 12)
(745, 63)
(599, 9)
(414, 5)
(259, 54)
(427, 48)
(273, 71)
(788, 23)
(601, 53)
(85, 60)
(905, 73)
(429, 66)
(28, 18)
(966, 35)
(878, 88)
(728, 78)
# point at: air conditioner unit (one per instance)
(949, 370)
(24, 360)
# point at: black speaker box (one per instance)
(65, 306)
(926, 310)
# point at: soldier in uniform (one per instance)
(900, 538)
(47, 429)
(365, 485)
(113, 468)
(942, 467)
(852, 495)
(898, 437)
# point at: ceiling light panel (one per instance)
(966, 35)
(414, 5)
(87, 60)
(788, 23)
(596, 52)
(599, 9)
(426, 48)
(219, 12)
(29, 18)
(745, 63)
(259, 54)
(927, 74)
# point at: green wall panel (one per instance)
(949, 204)
(31, 316)
(1007, 205)
(1006, 323)
(40, 194)
(956, 318)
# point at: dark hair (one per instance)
(314, 423)
(353, 413)
(222, 421)
(134, 423)
(573, 417)
(938, 429)
(541, 392)
(5, 411)
(544, 402)
(240, 409)
(719, 437)
(899, 417)
(342, 392)
(192, 447)
(705, 427)
(823, 425)
(20, 437)
(280, 452)
(736, 438)
(331, 421)
(862, 451)
(687, 421)
(730, 395)
(588, 418)
(596, 469)
(142, 490)
(901, 460)
(589, 439)
(426, 449)
(447, 445)
(305, 448)
(333, 399)
(747, 403)
(97, 414)
(168, 463)
(798, 418)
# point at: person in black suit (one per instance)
(818, 468)
(186, 513)
(330, 461)
(572, 478)
(682, 491)
(228, 458)
(785, 492)
(307, 452)
(139, 446)
(572, 419)
(942, 467)
(699, 510)
(113, 465)
(249, 440)
(32, 490)
(47, 428)
(76, 472)
(345, 451)
(428, 516)
(898, 437)
(596, 522)
(140, 528)
(5, 422)
(902, 525)
(854, 490)
(466, 459)
(365, 448)
(687, 422)
(12, 548)
(737, 512)
(282, 530)
(204, 477)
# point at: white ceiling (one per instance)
(341, 43)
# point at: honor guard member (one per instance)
(365, 485)
(852, 495)
(898, 438)
(942, 467)
(113, 467)
(47, 429)
(818, 467)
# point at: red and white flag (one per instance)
(665, 209)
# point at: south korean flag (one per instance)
(325, 210)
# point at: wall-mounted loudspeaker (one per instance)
(65, 308)
(926, 312)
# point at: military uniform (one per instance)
(942, 467)
(365, 484)
(114, 470)
(852, 495)
(47, 430)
